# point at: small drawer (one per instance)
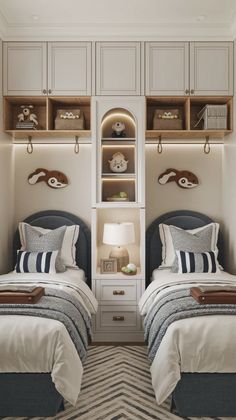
(119, 317)
(117, 291)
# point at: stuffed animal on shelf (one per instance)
(184, 179)
(118, 129)
(26, 115)
(54, 179)
(118, 163)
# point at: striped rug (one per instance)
(116, 386)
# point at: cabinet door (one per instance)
(118, 68)
(24, 68)
(69, 68)
(167, 68)
(211, 68)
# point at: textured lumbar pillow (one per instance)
(190, 262)
(51, 241)
(36, 262)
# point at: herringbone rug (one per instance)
(116, 386)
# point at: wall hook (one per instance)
(207, 147)
(76, 148)
(30, 148)
(159, 146)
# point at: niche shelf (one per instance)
(45, 108)
(188, 108)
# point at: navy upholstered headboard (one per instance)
(185, 219)
(52, 219)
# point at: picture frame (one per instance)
(108, 265)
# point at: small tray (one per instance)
(21, 297)
(132, 273)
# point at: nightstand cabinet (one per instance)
(118, 317)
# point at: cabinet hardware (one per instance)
(49, 91)
(44, 91)
(207, 147)
(192, 91)
(118, 318)
(187, 91)
(159, 145)
(118, 292)
(76, 147)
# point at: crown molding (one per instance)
(190, 31)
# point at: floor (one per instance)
(116, 386)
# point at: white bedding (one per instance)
(199, 344)
(33, 344)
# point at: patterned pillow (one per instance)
(185, 241)
(36, 262)
(204, 262)
(51, 241)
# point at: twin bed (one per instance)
(191, 347)
(42, 348)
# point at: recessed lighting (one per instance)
(201, 18)
(35, 17)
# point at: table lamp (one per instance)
(119, 234)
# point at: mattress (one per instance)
(42, 345)
(203, 344)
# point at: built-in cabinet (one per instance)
(41, 68)
(189, 68)
(118, 197)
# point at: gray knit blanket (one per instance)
(61, 306)
(173, 306)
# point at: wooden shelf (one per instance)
(24, 134)
(187, 134)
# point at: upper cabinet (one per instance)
(167, 68)
(25, 68)
(118, 67)
(59, 68)
(183, 68)
(211, 68)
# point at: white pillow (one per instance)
(68, 250)
(168, 251)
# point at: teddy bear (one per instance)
(26, 115)
(118, 129)
(118, 163)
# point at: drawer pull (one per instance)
(118, 292)
(118, 318)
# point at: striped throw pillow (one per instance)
(36, 262)
(204, 262)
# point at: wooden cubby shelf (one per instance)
(46, 109)
(188, 108)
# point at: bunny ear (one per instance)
(37, 176)
(168, 176)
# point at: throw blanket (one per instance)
(63, 307)
(173, 306)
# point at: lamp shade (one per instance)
(118, 233)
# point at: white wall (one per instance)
(6, 191)
(76, 198)
(205, 198)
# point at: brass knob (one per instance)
(118, 318)
(44, 91)
(118, 292)
(187, 91)
(192, 91)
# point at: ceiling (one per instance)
(120, 19)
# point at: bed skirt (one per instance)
(28, 395)
(205, 395)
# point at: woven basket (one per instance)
(69, 119)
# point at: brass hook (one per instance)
(76, 148)
(159, 146)
(30, 148)
(207, 147)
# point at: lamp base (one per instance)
(121, 255)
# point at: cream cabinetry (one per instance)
(54, 68)
(118, 68)
(118, 198)
(189, 68)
